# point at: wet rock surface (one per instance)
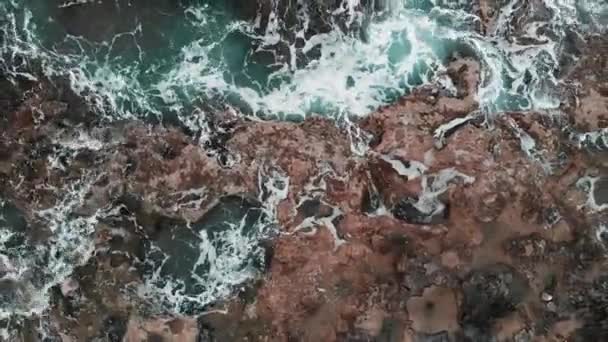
(448, 226)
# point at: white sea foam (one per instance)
(433, 185)
(219, 261)
(224, 260)
(405, 48)
(29, 269)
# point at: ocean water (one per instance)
(164, 58)
(161, 59)
(31, 265)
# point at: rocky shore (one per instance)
(427, 220)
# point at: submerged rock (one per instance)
(408, 211)
(490, 294)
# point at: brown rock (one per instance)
(170, 329)
(435, 311)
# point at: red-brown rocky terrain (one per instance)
(427, 220)
(449, 226)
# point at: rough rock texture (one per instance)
(450, 226)
(588, 104)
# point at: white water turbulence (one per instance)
(193, 264)
(188, 60)
(206, 58)
(36, 256)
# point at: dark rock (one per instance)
(358, 336)
(314, 208)
(407, 211)
(206, 333)
(392, 331)
(472, 333)
(593, 310)
(371, 200)
(491, 293)
(155, 338)
(115, 328)
(438, 337)
(600, 191)
(309, 208)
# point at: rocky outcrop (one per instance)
(587, 94)
(449, 226)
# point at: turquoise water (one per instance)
(160, 58)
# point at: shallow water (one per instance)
(187, 266)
